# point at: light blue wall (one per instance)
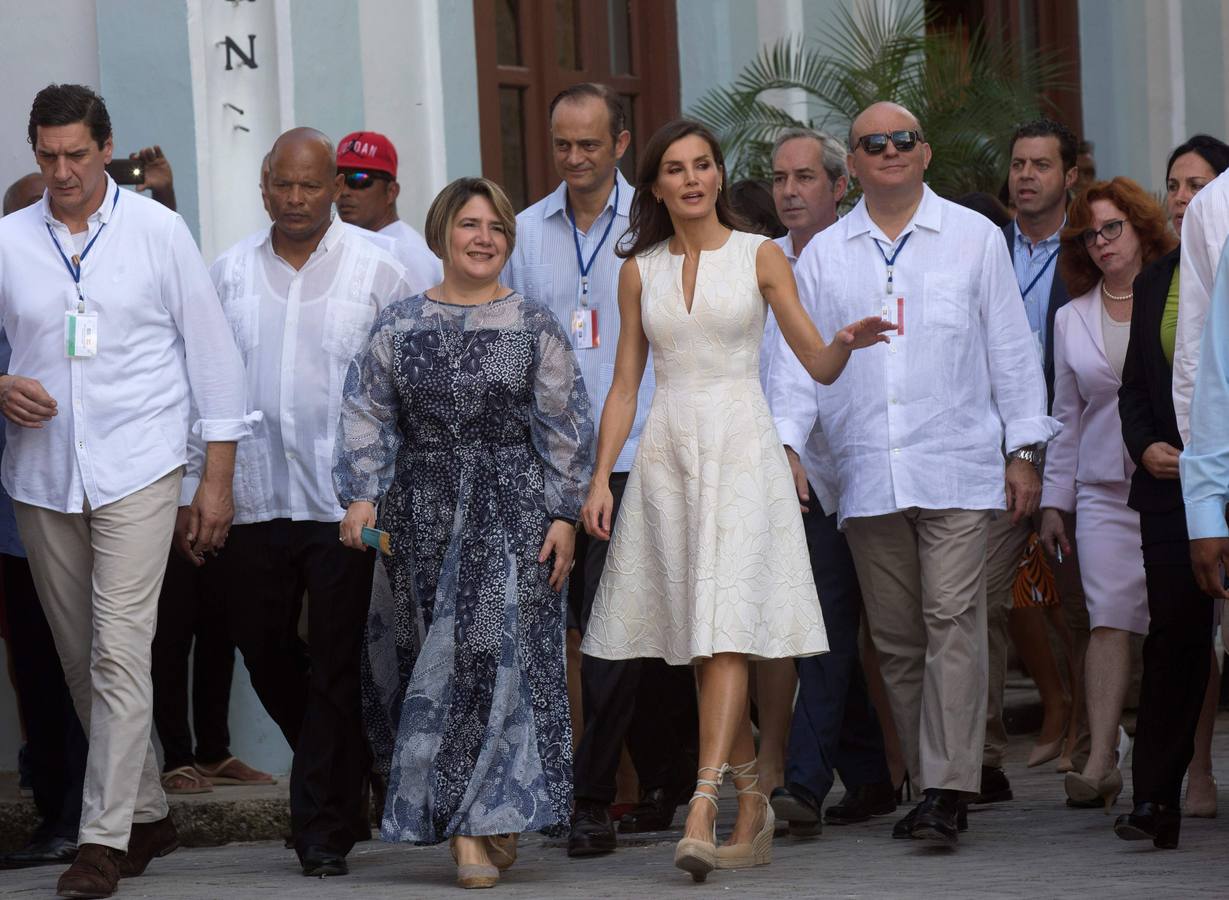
(1204, 50)
(1113, 76)
(716, 39)
(146, 81)
(460, 79)
(328, 75)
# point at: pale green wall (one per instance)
(328, 80)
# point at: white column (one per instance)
(403, 95)
(239, 111)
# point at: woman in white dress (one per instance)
(708, 564)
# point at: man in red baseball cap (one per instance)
(367, 162)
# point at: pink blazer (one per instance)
(1090, 448)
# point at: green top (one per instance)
(1169, 320)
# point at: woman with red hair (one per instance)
(1114, 228)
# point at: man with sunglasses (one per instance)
(367, 164)
(916, 430)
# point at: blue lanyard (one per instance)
(1037, 277)
(74, 265)
(891, 262)
(585, 269)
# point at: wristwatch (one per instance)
(1030, 453)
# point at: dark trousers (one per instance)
(312, 691)
(835, 728)
(191, 621)
(1177, 659)
(648, 704)
(55, 743)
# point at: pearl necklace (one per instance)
(1108, 296)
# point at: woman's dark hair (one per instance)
(1214, 152)
(753, 201)
(67, 104)
(1075, 264)
(649, 223)
(986, 204)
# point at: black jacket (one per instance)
(1145, 400)
(1058, 296)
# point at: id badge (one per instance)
(584, 329)
(893, 309)
(80, 335)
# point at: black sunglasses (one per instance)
(360, 181)
(874, 144)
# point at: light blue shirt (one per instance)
(543, 267)
(1205, 463)
(1029, 259)
(10, 542)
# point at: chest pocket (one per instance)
(946, 304)
(346, 326)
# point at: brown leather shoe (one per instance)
(92, 874)
(148, 839)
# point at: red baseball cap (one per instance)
(367, 150)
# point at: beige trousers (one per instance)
(923, 577)
(1005, 547)
(98, 574)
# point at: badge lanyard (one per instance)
(890, 262)
(74, 265)
(1037, 277)
(584, 268)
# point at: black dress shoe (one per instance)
(904, 828)
(1154, 822)
(654, 812)
(798, 806)
(592, 829)
(41, 852)
(937, 817)
(320, 861)
(995, 788)
(861, 803)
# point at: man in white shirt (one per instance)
(116, 333)
(834, 727)
(917, 430)
(1205, 229)
(367, 163)
(565, 257)
(301, 297)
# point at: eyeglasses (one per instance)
(360, 181)
(1111, 231)
(874, 144)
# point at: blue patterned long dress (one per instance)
(470, 426)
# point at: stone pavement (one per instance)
(1030, 847)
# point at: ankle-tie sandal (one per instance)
(694, 855)
(757, 851)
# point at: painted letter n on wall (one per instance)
(245, 59)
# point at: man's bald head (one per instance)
(25, 191)
(883, 110)
(302, 185)
(305, 142)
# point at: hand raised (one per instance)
(865, 333)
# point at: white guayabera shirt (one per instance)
(423, 268)
(922, 422)
(122, 418)
(298, 331)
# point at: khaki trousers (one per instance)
(923, 577)
(1005, 547)
(98, 574)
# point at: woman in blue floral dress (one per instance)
(466, 421)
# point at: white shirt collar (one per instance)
(928, 215)
(101, 215)
(332, 237)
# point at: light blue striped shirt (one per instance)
(543, 267)
(1033, 261)
(1205, 462)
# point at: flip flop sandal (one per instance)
(246, 774)
(185, 780)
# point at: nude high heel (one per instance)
(758, 851)
(1088, 793)
(693, 855)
